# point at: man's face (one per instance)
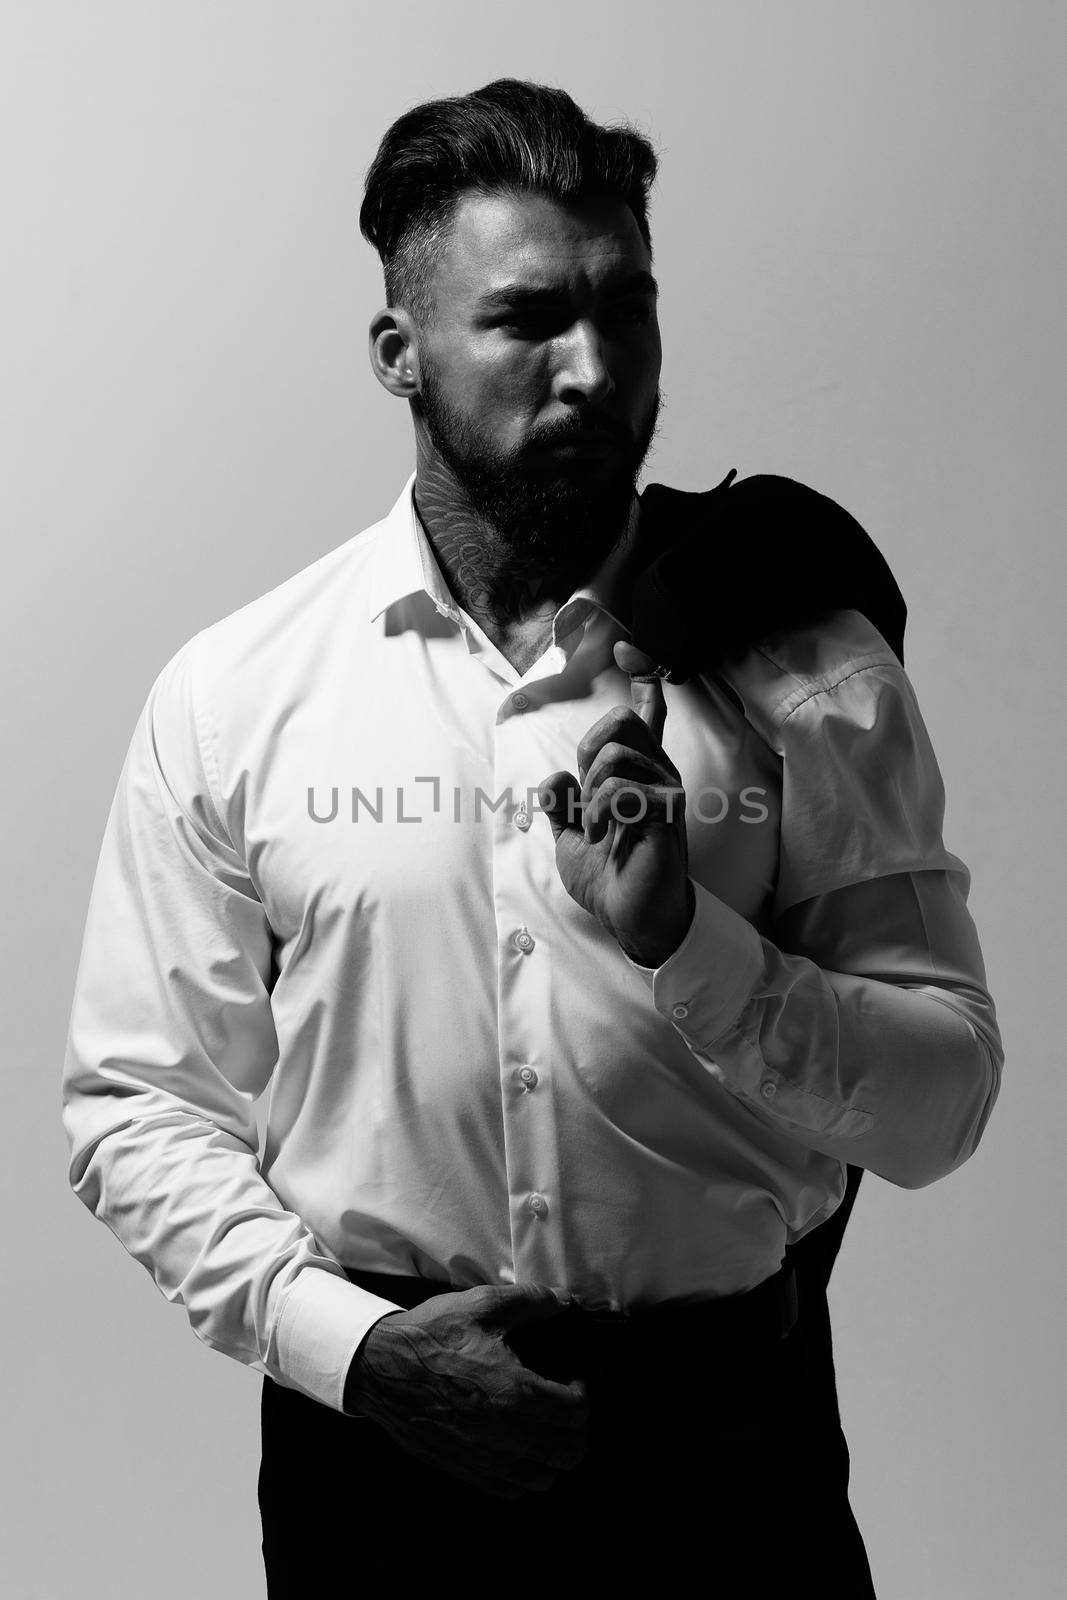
(546, 329)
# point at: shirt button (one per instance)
(528, 1077)
(524, 941)
(679, 1012)
(768, 1089)
(520, 701)
(537, 1205)
(522, 818)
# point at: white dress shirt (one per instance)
(324, 870)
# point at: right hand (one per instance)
(445, 1385)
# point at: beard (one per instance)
(548, 513)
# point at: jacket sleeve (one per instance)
(863, 1026)
(171, 1040)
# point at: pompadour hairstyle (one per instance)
(508, 136)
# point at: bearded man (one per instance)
(550, 1095)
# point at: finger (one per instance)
(627, 801)
(526, 1462)
(562, 1408)
(488, 1441)
(570, 1407)
(620, 725)
(558, 796)
(646, 688)
(630, 659)
(514, 1305)
(617, 760)
(650, 703)
(518, 1453)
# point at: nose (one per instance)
(582, 374)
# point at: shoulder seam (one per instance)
(811, 691)
(204, 730)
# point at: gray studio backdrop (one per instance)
(858, 234)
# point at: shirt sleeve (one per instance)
(171, 1039)
(863, 1028)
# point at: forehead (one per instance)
(499, 239)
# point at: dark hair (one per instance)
(509, 135)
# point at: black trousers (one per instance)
(713, 1456)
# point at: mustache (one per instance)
(581, 422)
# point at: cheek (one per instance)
(649, 357)
(512, 389)
(503, 386)
(646, 354)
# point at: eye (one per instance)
(531, 322)
(637, 312)
(545, 322)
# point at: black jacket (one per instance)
(716, 571)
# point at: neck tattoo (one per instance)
(498, 585)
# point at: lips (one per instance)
(586, 443)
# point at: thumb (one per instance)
(515, 1305)
(646, 691)
(558, 796)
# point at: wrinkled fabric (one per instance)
(324, 874)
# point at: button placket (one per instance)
(527, 1100)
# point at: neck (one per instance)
(498, 585)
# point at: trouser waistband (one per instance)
(766, 1313)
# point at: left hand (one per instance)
(629, 864)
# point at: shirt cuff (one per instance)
(704, 986)
(322, 1322)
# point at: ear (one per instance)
(394, 355)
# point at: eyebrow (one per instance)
(534, 294)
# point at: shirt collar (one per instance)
(403, 561)
(405, 564)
